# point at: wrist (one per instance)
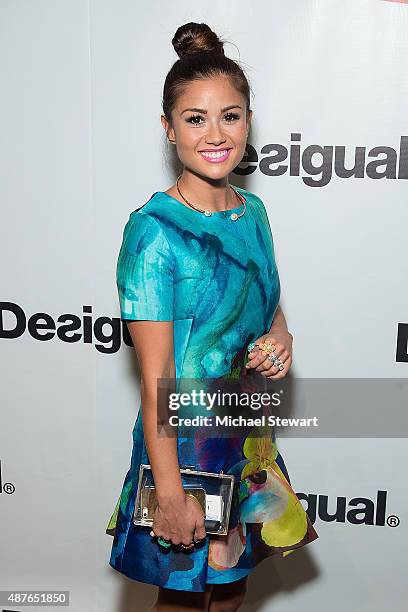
(276, 330)
(169, 496)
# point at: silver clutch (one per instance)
(212, 490)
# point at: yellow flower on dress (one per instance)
(261, 451)
(268, 498)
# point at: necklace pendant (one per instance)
(208, 213)
(234, 216)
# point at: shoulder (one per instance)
(144, 228)
(155, 212)
(150, 214)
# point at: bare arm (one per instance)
(145, 280)
(279, 322)
(153, 342)
(178, 518)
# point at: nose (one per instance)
(214, 134)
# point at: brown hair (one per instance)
(202, 56)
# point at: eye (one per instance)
(233, 117)
(193, 118)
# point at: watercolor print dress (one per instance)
(217, 280)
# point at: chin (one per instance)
(209, 173)
(217, 175)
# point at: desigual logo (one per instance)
(321, 161)
(358, 511)
(106, 331)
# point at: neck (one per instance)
(207, 193)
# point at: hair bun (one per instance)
(196, 38)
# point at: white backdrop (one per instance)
(81, 147)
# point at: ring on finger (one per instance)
(163, 542)
(276, 361)
(279, 364)
(267, 348)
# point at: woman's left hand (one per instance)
(282, 341)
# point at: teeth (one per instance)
(214, 154)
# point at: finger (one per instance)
(200, 525)
(255, 351)
(274, 367)
(155, 532)
(163, 542)
(256, 357)
(283, 356)
(187, 536)
(187, 541)
(281, 373)
(199, 532)
(278, 376)
(280, 352)
(251, 356)
(265, 364)
(187, 548)
(268, 366)
(271, 371)
(162, 533)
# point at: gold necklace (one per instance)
(234, 216)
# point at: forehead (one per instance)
(209, 93)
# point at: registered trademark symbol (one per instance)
(393, 520)
(9, 488)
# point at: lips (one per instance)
(215, 156)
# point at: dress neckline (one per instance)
(213, 212)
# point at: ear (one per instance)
(249, 119)
(169, 130)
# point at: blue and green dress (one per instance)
(217, 280)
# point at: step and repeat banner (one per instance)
(81, 147)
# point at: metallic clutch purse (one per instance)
(212, 490)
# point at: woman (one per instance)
(199, 288)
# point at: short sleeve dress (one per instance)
(216, 279)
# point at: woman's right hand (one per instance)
(179, 519)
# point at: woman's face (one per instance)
(210, 115)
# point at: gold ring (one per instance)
(267, 347)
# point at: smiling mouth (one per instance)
(215, 156)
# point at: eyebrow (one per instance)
(202, 110)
